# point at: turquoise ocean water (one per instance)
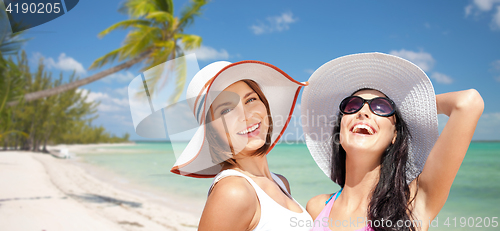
(474, 198)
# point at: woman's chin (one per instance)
(363, 148)
(255, 144)
(252, 146)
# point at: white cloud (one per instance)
(482, 6)
(114, 112)
(496, 68)
(207, 53)
(488, 126)
(258, 29)
(495, 116)
(486, 129)
(122, 91)
(119, 77)
(64, 63)
(496, 65)
(425, 61)
(107, 103)
(495, 23)
(422, 59)
(485, 5)
(274, 24)
(468, 10)
(441, 78)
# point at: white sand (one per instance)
(40, 192)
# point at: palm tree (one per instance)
(155, 37)
(12, 82)
(10, 43)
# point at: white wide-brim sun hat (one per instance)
(279, 88)
(400, 80)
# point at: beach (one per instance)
(41, 192)
(130, 187)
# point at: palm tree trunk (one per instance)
(65, 87)
(46, 138)
(5, 143)
(16, 142)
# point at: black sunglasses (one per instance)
(381, 106)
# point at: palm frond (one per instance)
(169, 45)
(107, 58)
(9, 43)
(188, 13)
(161, 16)
(138, 8)
(158, 57)
(189, 41)
(14, 132)
(140, 40)
(165, 5)
(124, 25)
(180, 80)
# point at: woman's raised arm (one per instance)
(464, 109)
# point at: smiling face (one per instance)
(239, 118)
(365, 132)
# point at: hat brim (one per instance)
(281, 92)
(400, 80)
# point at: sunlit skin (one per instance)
(240, 108)
(363, 153)
(233, 199)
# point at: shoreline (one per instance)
(193, 206)
(68, 196)
(184, 204)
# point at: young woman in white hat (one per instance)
(243, 109)
(370, 122)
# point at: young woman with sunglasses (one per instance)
(243, 109)
(394, 170)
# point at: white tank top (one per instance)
(273, 216)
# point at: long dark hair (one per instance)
(391, 197)
(221, 152)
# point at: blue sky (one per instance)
(455, 42)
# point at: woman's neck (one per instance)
(362, 176)
(254, 166)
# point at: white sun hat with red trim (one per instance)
(279, 88)
(399, 79)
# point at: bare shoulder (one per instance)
(285, 181)
(316, 204)
(232, 198)
(233, 189)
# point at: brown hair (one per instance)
(220, 151)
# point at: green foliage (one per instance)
(11, 89)
(155, 31)
(83, 133)
(63, 118)
(10, 43)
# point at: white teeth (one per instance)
(358, 127)
(251, 129)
